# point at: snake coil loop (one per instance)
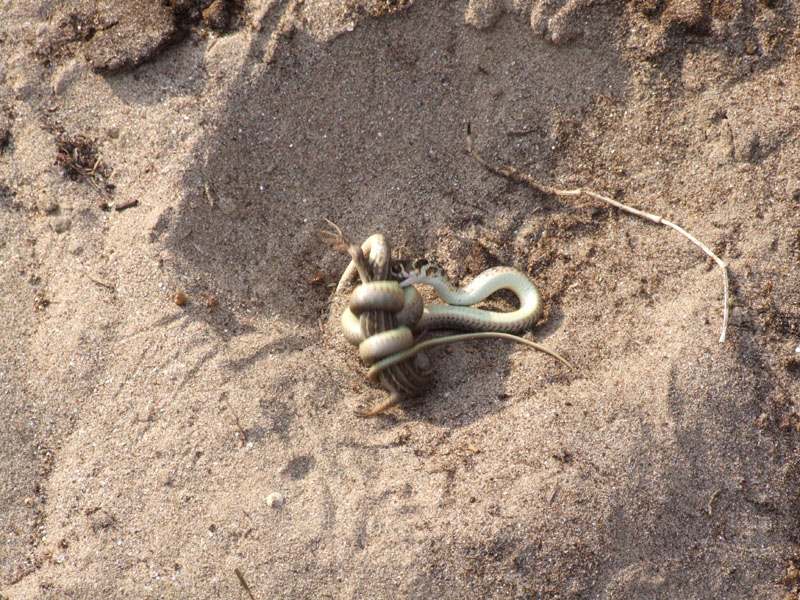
(380, 296)
(376, 304)
(382, 314)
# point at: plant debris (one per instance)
(80, 161)
(126, 204)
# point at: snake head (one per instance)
(415, 271)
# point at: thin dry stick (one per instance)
(709, 510)
(514, 174)
(242, 432)
(244, 583)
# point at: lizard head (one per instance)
(415, 272)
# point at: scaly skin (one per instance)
(375, 314)
(382, 313)
(457, 313)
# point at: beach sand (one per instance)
(165, 368)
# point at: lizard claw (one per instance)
(335, 236)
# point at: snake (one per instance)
(373, 305)
(457, 311)
(384, 314)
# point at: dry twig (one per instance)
(242, 432)
(243, 583)
(513, 174)
(108, 286)
(80, 161)
(709, 510)
(126, 204)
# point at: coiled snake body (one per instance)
(382, 314)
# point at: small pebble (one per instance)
(275, 500)
(180, 298)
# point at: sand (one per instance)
(142, 435)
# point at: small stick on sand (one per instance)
(108, 286)
(244, 583)
(242, 432)
(709, 510)
(513, 174)
(126, 204)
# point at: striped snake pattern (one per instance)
(384, 313)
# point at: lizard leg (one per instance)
(393, 400)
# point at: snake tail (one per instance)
(387, 362)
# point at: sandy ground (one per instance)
(141, 439)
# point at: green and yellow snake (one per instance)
(383, 313)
